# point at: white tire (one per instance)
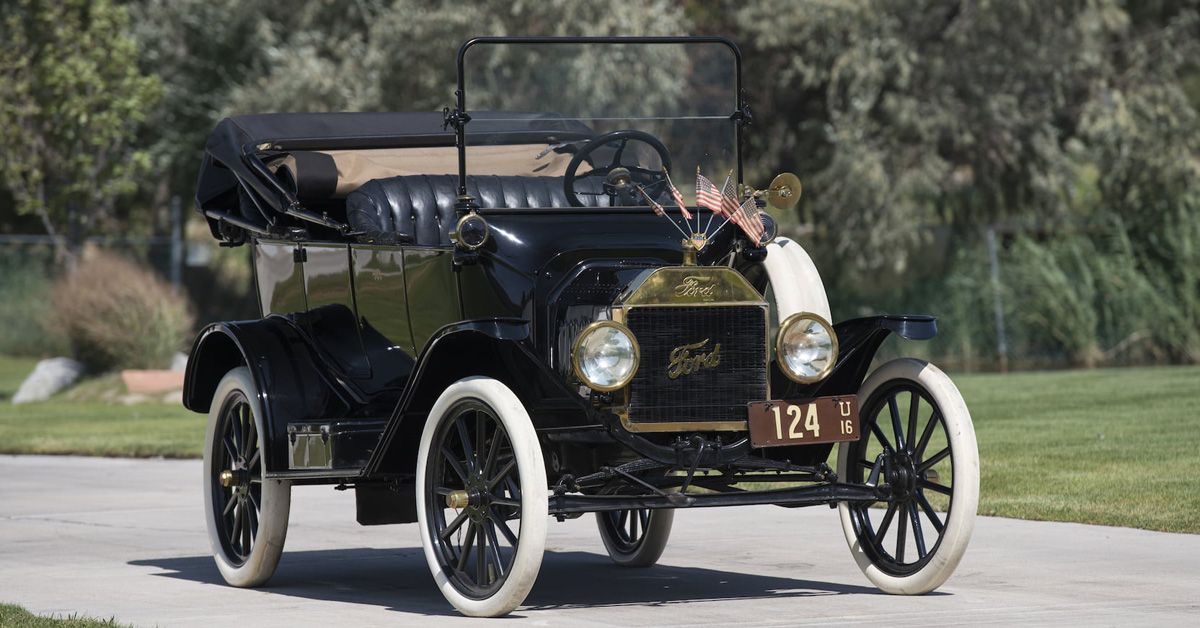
(497, 598)
(635, 538)
(888, 569)
(254, 509)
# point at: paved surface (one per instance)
(126, 538)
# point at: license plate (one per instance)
(803, 422)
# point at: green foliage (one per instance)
(71, 98)
(24, 306)
(13, 616)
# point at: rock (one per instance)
(48, 377)
(152, 382)
(179, 362)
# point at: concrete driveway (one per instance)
(126, 539)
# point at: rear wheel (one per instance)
(482, 497)
(917, 427)
(246, 514)
(635, 538)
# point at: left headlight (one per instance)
(806, 348)
(605, 356)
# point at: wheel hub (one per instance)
(903, 476)
(230, 478)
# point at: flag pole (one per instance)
(657, 208)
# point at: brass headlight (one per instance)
(806, 348)
(605, 356)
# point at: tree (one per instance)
(71, 99)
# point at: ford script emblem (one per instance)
(684, 362)
(697, 287)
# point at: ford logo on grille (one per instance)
(684, 362)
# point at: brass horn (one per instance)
(784, 192)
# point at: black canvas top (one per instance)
(240, 138)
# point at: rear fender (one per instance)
(290, 382)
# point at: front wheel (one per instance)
(246, 514)
(916, 426)
(635, 538)
(482, 498)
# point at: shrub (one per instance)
(116, 314)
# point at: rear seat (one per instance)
(420, 209)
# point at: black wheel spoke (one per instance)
(494, 546)
(502, 475)
(454, 464)
(918, 531)
(883, 439)
(914, 404)
(480, 556)
(465, 439)
(465, 550)
(504, 501)
(934, 459)
(454, 525)
(901, 538)
(228, 507)
(884, 523)
(633, 527)
(919, 450)
(930, 513)
(644, 515)
(506, 531)
(897, 431)
(937, 488)
(490, 462)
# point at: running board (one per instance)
(802, 496)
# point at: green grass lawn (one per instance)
(12, 616)
(65, 426)
(1107, 446)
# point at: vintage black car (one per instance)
(481, 318)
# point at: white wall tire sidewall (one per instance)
(653, 544)
(965, 500)
(795, 282)
(534, 503)
(276, 495)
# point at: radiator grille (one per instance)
(719, 393)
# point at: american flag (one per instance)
(655, 205)
(729, 203)
(687, 215)
(707, 194)
(748, 218)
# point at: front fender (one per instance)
(499, 348)
(858, 340)
(282, 367)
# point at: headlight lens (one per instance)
(806, 348)
(605, 356)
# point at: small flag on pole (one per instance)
(749, 219)
(678, 197)
(707, 194)
(729, 203)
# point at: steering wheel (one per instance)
(620, 182)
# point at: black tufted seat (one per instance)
(420, 208)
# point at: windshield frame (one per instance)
(458, 118)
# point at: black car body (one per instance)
(396, 254)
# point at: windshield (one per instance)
(678, 98)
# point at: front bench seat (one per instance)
(419, 209)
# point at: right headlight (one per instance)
(806, 348)
(605, 356)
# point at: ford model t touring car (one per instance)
(515, 310)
